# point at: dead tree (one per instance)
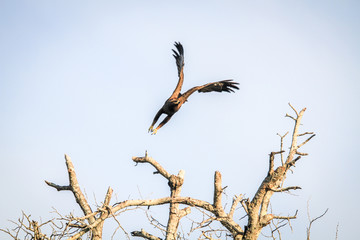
(256, 209)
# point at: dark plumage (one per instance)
(176, 100)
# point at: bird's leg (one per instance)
(154, 131)
(166, 119)
(151, 128)
(158, 114)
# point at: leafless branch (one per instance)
(210, 232)
(58, 187)
(301, 154)
(235, 202)
(154, 222)
(294, 147)
(288, 217)
(305, 133)
(311, 221)
(219, 212)
(307, 140)
(155, 164)
(297, 114)
(281, 146)
(277, 229)
(244, 203)
(144, 234)
(203, 224)
(271, 161)
(289, 116)
(119, 226)
(30, 228)
(337, 231)
(286, 189)
(277, 225)
(75, 189)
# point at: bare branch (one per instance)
(294, 146)
(144, 234)
(58, 187)
(312, 221)
(104, 209)
(205, 223)
(301, 154)
(294, 110)
(286, 189)
(337, 231)
(175, 214)
(305, 133)
(289, 116)
(108, 196)
(235, 202)
(302, 144)
(155, 222)
(217, 190)
(244, 204)
(31, 228)
(184, 212)
(281, 146)
(292, 163)
(219, 212)
(119, 226)
(271, 160)
(75, 189)
(288, 217)
(277, 228)
(154, 163)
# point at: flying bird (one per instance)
(177, 99)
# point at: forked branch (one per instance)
(311, 221)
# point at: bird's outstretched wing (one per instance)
(179, 57)
(221, 86)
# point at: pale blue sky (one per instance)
(87, 77)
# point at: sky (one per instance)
(86, 78)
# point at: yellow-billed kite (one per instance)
(176, 100)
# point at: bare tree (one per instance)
(217, 221)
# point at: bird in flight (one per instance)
(177, 99)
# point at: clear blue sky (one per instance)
(87, 77)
